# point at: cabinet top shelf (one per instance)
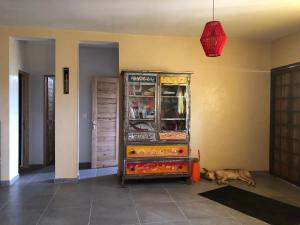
(173, 118)
(145, 119)
(182, 96)
(142, 96)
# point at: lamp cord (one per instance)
(213, 10)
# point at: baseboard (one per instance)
(85, 165)
(36, 166)
(260, 172)
(66, 180)
(32, 167)
(4, 183)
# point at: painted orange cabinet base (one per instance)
(136, 168)
(136, 151)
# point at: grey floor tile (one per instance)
(70, 200)
(214, 221)
(159, 212)
(202, 209)
(113, 213)
(110, 221)
(143, 184)
(150, 195)
(66, 216)
(169, 223)
(114, 194)
(27, 217)
(185, 195)
(33, 189)
(107, 181)
(37, 203)
(80, 188)
(24, 202)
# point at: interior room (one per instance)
(96, 60)
(34, 62)
(150, 112)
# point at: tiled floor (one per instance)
(100, 201)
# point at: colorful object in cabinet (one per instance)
(136, 168)
(141, 79)
(173, 136)
(140, 151)
(174, 79)
(180, 97)
(141, 136)
(156, 125)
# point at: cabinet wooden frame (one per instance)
(146, 76)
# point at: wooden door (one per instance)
(285, 124)
(49, 120)
(105, 98)
(24, 119)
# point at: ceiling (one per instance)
(254, 19)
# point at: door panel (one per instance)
(24, 119)
(49, 86)
(105, 122)
(285, 125)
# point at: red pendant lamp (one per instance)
(213, 37)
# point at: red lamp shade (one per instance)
(213, 39)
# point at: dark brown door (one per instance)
(23, 120)
(285, 124)
(49, 120)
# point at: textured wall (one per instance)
(285, 50)
(230, 94)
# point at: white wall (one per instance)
(16, 50)
(39, 57)
(93, 61)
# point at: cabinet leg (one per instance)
(189, 181)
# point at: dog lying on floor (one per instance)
(222, 176)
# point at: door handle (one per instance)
(94, 124)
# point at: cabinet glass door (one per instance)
(173, 111)
(141, 91)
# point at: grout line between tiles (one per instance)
(91, 209)
(180, 210)
(46, 208)
(231, 215)
(159, 222)
(134, 204)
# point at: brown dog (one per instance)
(222, 176)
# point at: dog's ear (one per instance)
(205, 170)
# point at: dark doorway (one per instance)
(285, 123)
(23, 120)
(49, 120)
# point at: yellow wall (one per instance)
(230, 94)
(286, 50)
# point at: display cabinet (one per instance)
(156, 125)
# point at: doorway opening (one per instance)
(34, 59)
(98, 108)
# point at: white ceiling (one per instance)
(258, 19)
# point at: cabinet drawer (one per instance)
(136, 151)
(136, 168)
